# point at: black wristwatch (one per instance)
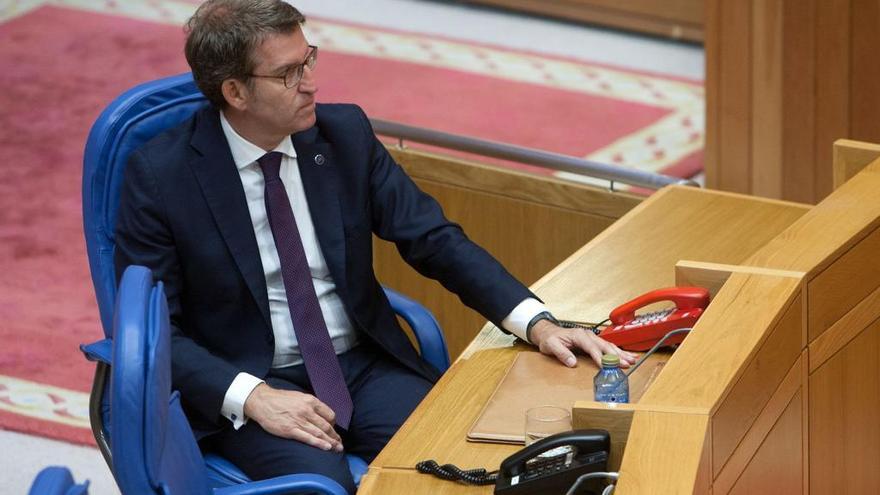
(543, 315)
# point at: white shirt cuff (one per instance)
(518, 319)
(236, 395)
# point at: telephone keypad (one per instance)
(548, 464)
(651, 317)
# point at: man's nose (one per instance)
(307, 82)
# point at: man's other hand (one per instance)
(293, 415)
(554, 340)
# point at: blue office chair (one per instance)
(154, 448)
(127, 123)
(57, 480)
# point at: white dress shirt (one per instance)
(342, 333)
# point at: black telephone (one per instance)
(553, 464)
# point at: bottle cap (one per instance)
(610, 360)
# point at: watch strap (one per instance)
(543, 315)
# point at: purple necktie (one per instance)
(320, 359)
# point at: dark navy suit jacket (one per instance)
(183, 214)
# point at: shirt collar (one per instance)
(245, 152)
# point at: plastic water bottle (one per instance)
(610, 384)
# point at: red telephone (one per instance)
(640, 333)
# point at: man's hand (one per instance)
(293, 415)
(556, 341)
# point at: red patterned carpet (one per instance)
(61, 64)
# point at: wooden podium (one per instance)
(777, 388)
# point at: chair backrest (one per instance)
(131, 120)
(154, 450)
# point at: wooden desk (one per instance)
(675, 223)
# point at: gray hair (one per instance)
(222, 35)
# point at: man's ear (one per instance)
(236, 93)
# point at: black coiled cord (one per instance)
(592, 327)
(454, 473)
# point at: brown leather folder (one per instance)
(534, 379)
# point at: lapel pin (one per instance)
(319, 159)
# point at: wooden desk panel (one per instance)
(675, 223)
(638, 253)
(680, 437)
(844, 397)
(841, 286)
(727, 337)
(777, 465)
(760, 379)
(835, 245)
(820, 236)
(850, 158)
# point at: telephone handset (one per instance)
(640, 333)
(553, 464)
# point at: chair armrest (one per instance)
(432, 344)
(223, 473)
(57, 480)
(101, 351)
(297, 483)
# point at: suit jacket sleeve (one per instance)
(143, 237)
(434, 246)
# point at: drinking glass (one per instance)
(543, 421)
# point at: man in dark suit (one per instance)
(258, 214)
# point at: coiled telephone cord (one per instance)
(592, 327)
(454, 473)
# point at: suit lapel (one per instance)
(320, 178)
(221, 186)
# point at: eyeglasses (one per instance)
(293, 75)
